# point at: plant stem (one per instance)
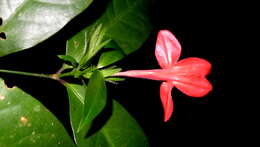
(28, 74)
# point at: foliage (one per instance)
(121, 30)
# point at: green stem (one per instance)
(28, 74)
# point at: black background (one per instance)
(198, 27)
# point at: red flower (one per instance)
(187, 75)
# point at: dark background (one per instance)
(195, 120)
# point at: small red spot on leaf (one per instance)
(2, 97)
(23, 120)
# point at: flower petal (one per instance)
(167, 50)
(166, 99)
(193, 86)
(192, 66)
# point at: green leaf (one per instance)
(29, 22)
(105, 72)
(68, 59)
(112, 44)
(109, 57)
(26, 122)
(95, 98)
(76, 94)
(110, 71)
(76, 47)
(126, 22)
(84, 46)
(121, 130)
(86, 102)
(114, 80)
(94, 44)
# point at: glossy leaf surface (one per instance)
(109, 57)
(76, 94)
(95, 98)
(124, 21)
(68, 60)
(86, 102)
(121, 130)
(26, 122)
(127, 23)
(29, 22)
